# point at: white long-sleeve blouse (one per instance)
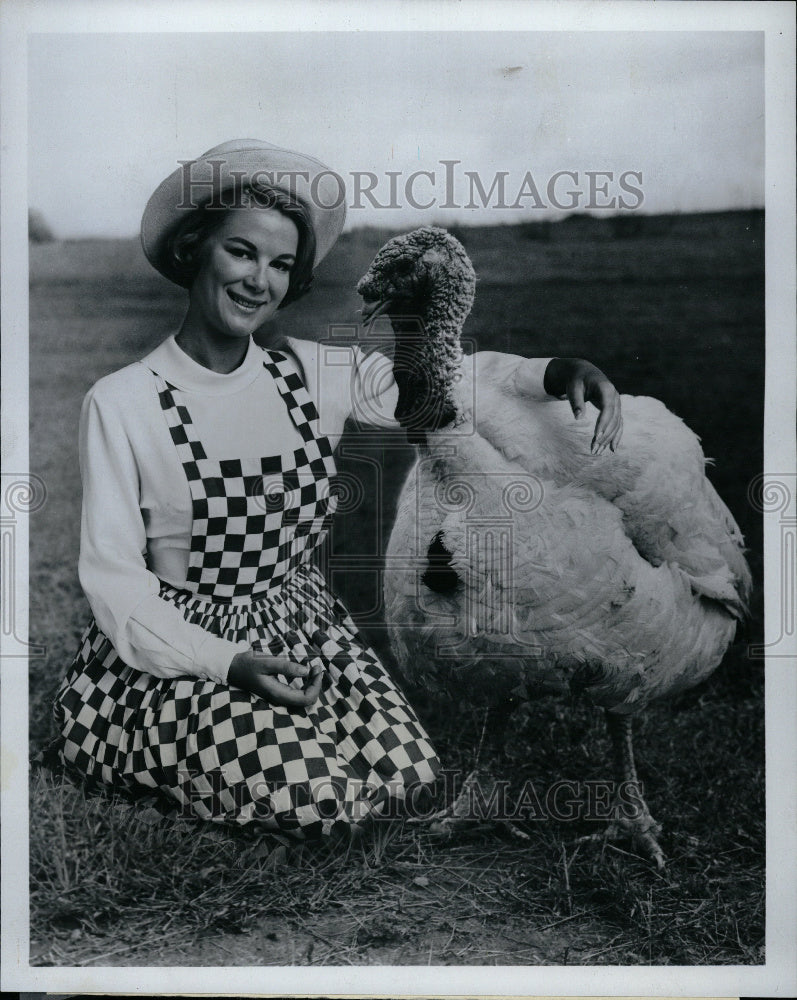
(137, 512)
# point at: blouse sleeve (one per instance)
(354, 383)
(347, 382)
(375, 394)
(530, 379)
(147, 632)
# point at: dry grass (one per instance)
(667, 311)
(113, 882)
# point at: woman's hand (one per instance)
(257, 672)
(582, 382)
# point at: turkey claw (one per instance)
(641, 832)
(463, 814)
(448, 826)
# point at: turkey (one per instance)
(523, 564)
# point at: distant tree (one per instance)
(38, 230)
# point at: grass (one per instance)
(675, 311)
(114, 882)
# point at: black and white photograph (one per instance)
(398, 498)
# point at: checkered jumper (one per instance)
(221, 753)
(254, 519)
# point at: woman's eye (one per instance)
(239, 252)
(282, 265)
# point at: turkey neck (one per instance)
(453, 448)
(427, 366)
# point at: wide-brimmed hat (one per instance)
(217, 178)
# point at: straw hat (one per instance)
(220, 174)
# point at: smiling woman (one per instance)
(243, 275)
(219, 670)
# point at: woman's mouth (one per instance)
(243, 303)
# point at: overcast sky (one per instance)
(110, 115)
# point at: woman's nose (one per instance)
(257, 278)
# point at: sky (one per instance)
(679, 114)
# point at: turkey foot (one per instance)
(468, 813)
(640, 828)
(642, 831)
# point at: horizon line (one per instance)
(564, 217)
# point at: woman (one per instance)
(219, 669)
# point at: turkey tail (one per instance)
(731, 584)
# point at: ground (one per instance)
(672, 307)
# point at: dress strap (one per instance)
(300, 405)
(181, 427)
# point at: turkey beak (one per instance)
(374, 308)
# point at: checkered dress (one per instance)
(224, 754)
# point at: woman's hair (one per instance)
(186, 242)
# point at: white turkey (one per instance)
(522, 564)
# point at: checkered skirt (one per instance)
(225, 755)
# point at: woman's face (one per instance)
(244, 270)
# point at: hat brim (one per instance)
(217, 178)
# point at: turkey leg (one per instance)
(640, 826)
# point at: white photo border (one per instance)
(19, 19)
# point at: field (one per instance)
(667, 306)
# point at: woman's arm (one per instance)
(148, 633)
(374, 393)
